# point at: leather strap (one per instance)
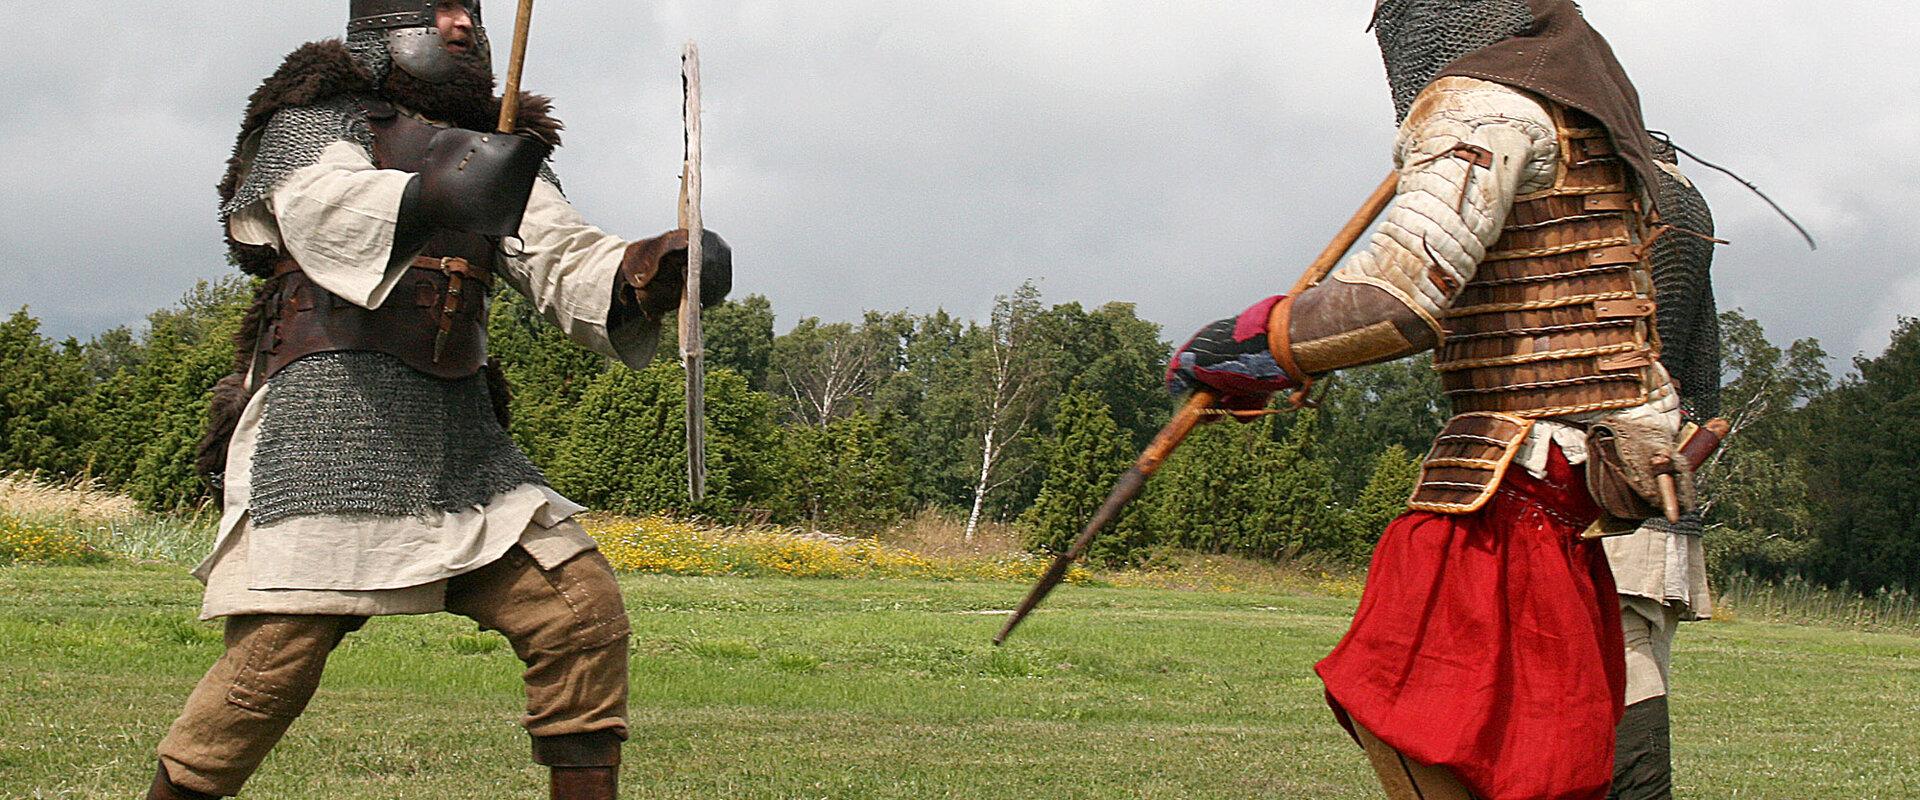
(1280, 343)
(455, 265)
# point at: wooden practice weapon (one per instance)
(1200, 406)
(510, 100)
(692, 352)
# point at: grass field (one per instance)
(787, 688)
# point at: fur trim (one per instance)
(316, 71)
(230, 398)
(536, 118)
(313, 72)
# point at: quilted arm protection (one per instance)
(1467, 149)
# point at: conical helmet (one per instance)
(401, 33)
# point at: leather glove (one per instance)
(1231, 357)
(655, 270)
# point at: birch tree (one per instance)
(1009, 379)
(824, 369)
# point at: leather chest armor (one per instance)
(1559, 318)
(435, 319)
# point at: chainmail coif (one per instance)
(1418, 38)
(363, 434)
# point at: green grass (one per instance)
(785, 688)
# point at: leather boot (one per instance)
(586, 783)
(163, 788)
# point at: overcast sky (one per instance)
(875, 154)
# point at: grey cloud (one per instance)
(1189, 157)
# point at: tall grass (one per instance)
(90, 518)
(1799, 601)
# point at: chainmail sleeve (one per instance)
(1687, 319)
(291, 141)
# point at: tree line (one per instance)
(1026, 416)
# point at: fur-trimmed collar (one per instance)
(317, 71)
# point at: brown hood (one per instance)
(1565, 60)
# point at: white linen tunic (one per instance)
(336, 218)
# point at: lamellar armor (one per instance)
(1518, 249)
(1558, 319)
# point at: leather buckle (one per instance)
(1618, 254)
(1623, 309)
(1610, 201)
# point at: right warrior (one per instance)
(1485, 657)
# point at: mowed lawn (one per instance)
(770, 688)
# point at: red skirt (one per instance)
(1489, 643)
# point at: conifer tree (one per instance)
(1383, 499)
(150, 414)
(546, 372)
(1295, 509)
(1085, 455)
(1865, 476)
(624, 451)
(845, 476)
(43, 421)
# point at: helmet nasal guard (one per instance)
(412, 36)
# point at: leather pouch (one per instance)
(1623, 471)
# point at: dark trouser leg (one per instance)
(246, 701)
(1406, 779)
(1642, 753)
(569, 626)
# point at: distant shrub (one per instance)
(663, 546)
(24, 541)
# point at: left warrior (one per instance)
(360, 445)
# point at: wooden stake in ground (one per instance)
(692, 353)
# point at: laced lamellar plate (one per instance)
(1683, 287)
(292, 141)
(1418, 38)
(362, 434)
(1559, 317)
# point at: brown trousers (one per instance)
(1406, 779)
(567, 624)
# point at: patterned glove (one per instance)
(1231, 357)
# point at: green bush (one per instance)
(44, 424)
(1084, 457)
(546, 371)
(625, 447)
(846, 476)
(1383, 499)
